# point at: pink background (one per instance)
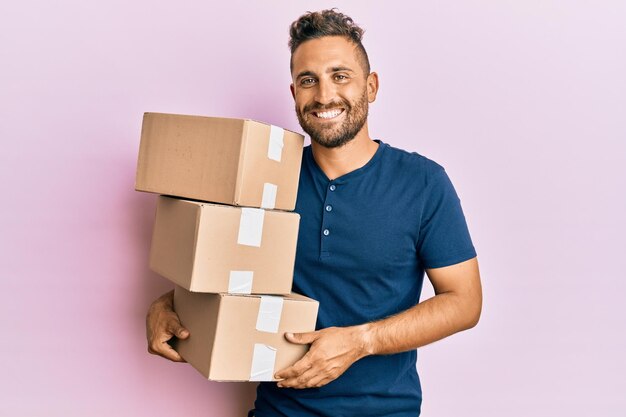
(523, 102)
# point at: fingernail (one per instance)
(289, 334)
(280, 385)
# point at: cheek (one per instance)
(302, 101)
(354, 93)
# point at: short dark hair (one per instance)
(313, 25)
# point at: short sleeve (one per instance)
(444, 237)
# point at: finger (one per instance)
(168, 352)
(303, 380)
(321, 380)
(301, 338)
(160, 347)
(296, 369)
(159, 344)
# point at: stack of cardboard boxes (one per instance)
(225, 236)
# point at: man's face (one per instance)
(330, 90)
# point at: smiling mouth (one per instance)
(328, 114)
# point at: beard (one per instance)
(335, 134)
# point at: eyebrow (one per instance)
(331, 70)
(337, 69)
(305, 73)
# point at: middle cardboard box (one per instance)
(216, 248)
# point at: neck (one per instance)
(335, 162)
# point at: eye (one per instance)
(341, 77)
(307, 81)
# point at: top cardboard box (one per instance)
(239, 162)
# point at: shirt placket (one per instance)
(326, 232)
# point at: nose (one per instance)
(325, 92)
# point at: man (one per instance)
(373, 219)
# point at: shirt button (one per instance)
(329, 208)
(332, 187)
(326, 232)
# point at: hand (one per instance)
(162, 324)
(332, 351)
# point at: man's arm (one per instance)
(162, 324)
(456, 306)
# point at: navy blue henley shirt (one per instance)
(364, 241)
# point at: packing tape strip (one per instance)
(263, 361)
(240, 282)
(251, 226)
(270, 310)
(268, 201)
(276, 143)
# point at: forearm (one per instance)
(424, 323)
(456, 307)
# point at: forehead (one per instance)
(317, 55)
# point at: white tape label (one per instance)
(268, 201)
(275, 148)
(251, 226)
(240, 282)
(270, 310)
(263, 361)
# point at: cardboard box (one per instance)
(231, 161)
(207, 247)
(235, 337)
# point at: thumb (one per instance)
(182, 333)
(301, 338)
(178, 330)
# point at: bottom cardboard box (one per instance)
(240, 337)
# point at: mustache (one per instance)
(321, 107)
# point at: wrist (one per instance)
(366, 339)
(166, 301)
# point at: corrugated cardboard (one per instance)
(222, 160)
(223, 333)
(195, 245)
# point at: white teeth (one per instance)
(329, 114)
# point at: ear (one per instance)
(293, 92)
(372, 87)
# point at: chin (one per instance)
(331, 143)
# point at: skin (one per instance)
(327, 75)
(326, 71)
(162, 324)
